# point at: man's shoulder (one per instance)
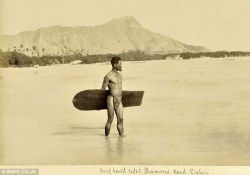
(110, 74)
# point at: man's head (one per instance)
(116, 63)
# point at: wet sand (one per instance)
(194, 112)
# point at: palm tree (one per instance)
(70, 52)
(34, 49)
(43, 50)
(21, 48)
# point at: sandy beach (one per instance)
(194, 112)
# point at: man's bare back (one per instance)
(114, 101)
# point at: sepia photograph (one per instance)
(112, 83)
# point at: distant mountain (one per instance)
(115, 36)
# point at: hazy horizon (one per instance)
(216, 25)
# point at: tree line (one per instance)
(36, 51)
(17, 59)
(218, 54)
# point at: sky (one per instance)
(215, 24)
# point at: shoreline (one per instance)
(142, 61)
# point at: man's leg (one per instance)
(110, 109)
(119, 114)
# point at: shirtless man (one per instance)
(114, 100)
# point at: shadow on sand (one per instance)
(80, 130)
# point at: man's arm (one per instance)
(105, 82)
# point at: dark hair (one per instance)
(115, 60)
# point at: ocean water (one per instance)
(194, 112)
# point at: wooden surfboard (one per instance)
(95, 99)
